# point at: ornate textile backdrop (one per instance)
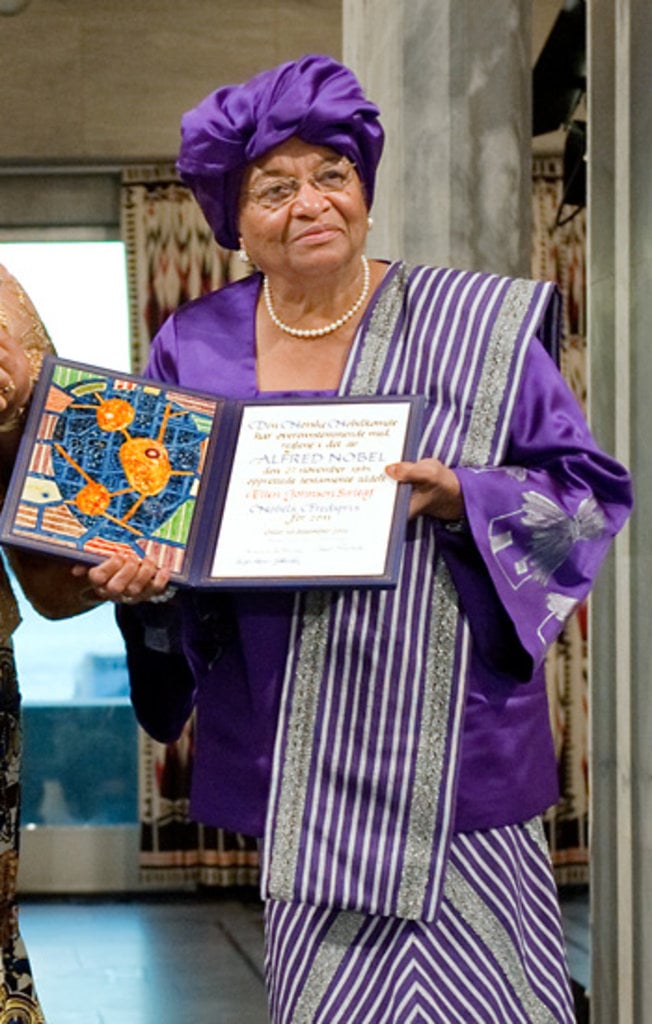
(172, 257)
(558, 253)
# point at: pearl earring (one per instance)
(243, 254)
(370, 222)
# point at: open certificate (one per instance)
(308, 495)
(289, 493)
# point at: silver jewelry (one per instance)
(243, 255)
(167, 595)
(317, 332)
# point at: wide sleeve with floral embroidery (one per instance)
(542, 522)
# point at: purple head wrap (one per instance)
(314, 98)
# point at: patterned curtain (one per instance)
(172, 257)
(558, 253)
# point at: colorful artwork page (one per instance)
(116, 464)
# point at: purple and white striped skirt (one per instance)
(494, 954)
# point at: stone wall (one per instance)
(108, 81)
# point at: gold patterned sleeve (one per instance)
(47, 582)
(24, 341)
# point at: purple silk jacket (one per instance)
(236, 644)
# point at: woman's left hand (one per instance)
(436, 490)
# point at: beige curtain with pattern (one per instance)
(559, 254)
(172, 257)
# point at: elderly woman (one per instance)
(392, 747)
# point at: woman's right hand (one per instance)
(436, 489)
(124, 579)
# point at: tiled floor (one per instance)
(147, 962)
(167, 961)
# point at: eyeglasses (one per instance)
(274, 191)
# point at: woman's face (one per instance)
(316, 230)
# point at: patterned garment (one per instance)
(362, 803)
(495, 953)
(407, 344)
(18, 1001)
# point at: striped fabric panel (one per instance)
(390, 803)
(381, 814)
(362, 799)
(297, 937)
(520, 313)
(495, 956)
(291, 755)
(507, 872)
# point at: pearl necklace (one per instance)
(317, 332)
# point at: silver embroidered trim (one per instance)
(535, 830)
(379, 335)
(495, 374)
(299, 737)
(428, 774)
(332, 951)
(477, 915)
(560, 605)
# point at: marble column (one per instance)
(620, 329)
(453, 81)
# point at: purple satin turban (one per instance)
(315, 98)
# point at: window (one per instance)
(80, 735)
(80, 290)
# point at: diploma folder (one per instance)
(289, 493)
